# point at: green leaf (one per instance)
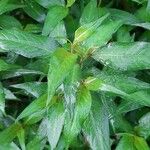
(102, 34)
(85, 31)
(82, 108)
(124, 82)
(130, 19)
(34, 10)
(132, 142)
(141, 97)
(7, 135)
(55, 121)
(125, 56)
(71, 86)
(25, 44)
(143, 14)
(7, 22)
(124, 16)
(49, 3)
(96, 127)
(59, 33)
(60, 65)
(6, 6)
(34, 107)
(123, 35)
(70, 2)
(33, 28)
(34, 88)
(144, 126)
(54, 16)
(117, 121)
(20, 72)
(95, 84)
(2, 99)
(11, 146)
(21, 137)
(5, 66)
(90, 13)
(9, 95)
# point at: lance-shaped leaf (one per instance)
(34, 10)
(102, 34)
(60, 65)
(7, 135)
(20, 72)
(128, 18)
(54, 16)
(82, 108)
(132, 142)
(70, 86)
(95, 84)
(25, 44)
(59, 33)
(34, 88)
(125, 56)
(55, 122)
(6, 6)
(7, 22)
(35, 106)
(96, 127)
(90, 13)
(87, 30)
(21, 137)
(124, 82)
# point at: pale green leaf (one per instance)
(70, 2)
(85, 31)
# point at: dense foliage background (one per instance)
(75, 74)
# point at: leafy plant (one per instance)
(74, 74)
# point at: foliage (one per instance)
(74, 74)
